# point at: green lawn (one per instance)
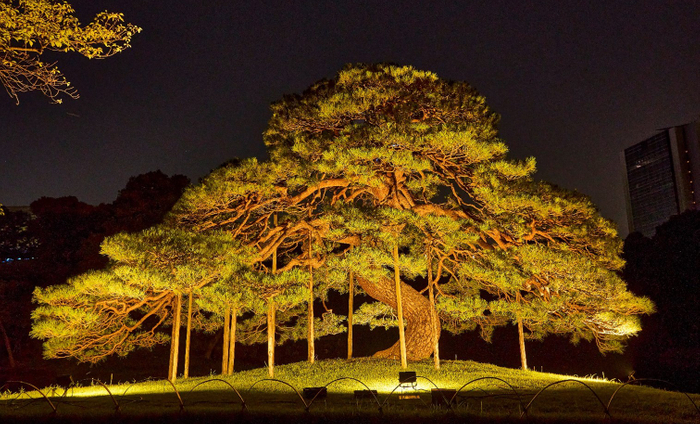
(488, 399)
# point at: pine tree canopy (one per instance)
(385, 158)
(118, 309)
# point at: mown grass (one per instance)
(484, 398)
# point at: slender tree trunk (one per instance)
(8, 346)
(310, 336)
(416, 311)
(521, 338)
(227, 335)
(175, 339)
(188, 337)
(310, 326)
(232, 340)
(434, 322)
(271, 337)
(351, 309)
(399, 307)
(271, 320)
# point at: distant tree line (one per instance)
(58, 238)
(666, 267)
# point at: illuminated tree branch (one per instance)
(29, 28)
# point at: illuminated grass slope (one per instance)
(483, 399)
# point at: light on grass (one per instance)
(119, 389)
(95, 390)
(592, 378)
(389, 384)
(358, 380)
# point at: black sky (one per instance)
(575, 83)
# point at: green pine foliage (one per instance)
(384, 156)
(119, 309)
(94, 315)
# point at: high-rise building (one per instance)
(662, 177)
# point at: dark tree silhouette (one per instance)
(666, 267)
(61, 238)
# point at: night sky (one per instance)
(575, 83)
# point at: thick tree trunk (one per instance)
(175, 339)
(227, 334)
(8, 346)
(232, 341)
(351, 306)
(188, 337)
(416, 311)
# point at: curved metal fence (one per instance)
(449, 398)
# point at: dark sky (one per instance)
(575, 83)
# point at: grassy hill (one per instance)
(485, 393)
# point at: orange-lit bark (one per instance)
(188, 337)
(175, 339)
(351, 306)
(416, 311)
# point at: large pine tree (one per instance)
(385, 156)
(391, 175)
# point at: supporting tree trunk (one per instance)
(271, 325)
(311, 347)
(310, 336)
(271, 337)
(8, 346)
(232, 341)
(227, 335)
(521, 338)
(188, 337)
(399, 307)
(175, 338)
(433, 315)
(416, 311)
(351, 306)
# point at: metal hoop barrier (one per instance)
(227, 383)
(449, 403)
(520, 400)
(182, 405)
(53, 407)
(448, 399)
(127, 389)
(640, 380)
(117, 408)
(340, 379)
(605, 408)
(306, 406)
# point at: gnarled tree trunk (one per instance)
(416, 312)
